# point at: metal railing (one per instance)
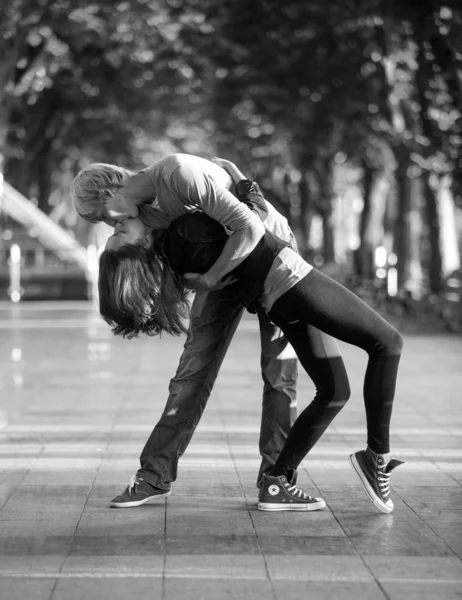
(50, 235)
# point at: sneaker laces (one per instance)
(295, 491)
(383, 479)
(134, 481)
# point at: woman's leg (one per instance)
(327, 305)
(319, 355)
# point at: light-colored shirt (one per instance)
(288, 268)
(183, 182)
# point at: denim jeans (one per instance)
(214, 319)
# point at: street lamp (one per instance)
(15, 273)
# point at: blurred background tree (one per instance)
(348, 113)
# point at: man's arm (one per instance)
(245, 227)
(238, 247)
(247, 191)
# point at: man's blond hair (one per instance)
(92, 185)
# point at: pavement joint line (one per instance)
(249, 511)
(98, 468)
(215, 576)
(352, 542)
(164, 562)
(425, 523)
(28, 470)
(438, 464)
(17, 428)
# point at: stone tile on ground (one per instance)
(308, 545)
(318, 568)
(295, 524)
(188, 520)
(44, 502)
(108, 543)
(115, 588)
(216, 589)
(399, 533)
(422, 590)
(136, 565)
(55, 477)
(145, 520)
(71, 439)
(35, 538)
(15, 588)
(328, 590)
(447, 568)
(31, 566)
(215, 566)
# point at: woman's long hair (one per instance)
(139, 293)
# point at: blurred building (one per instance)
(40, 260)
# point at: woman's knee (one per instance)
(335, 391)
(393, 345)
(333, 398)
(342, 394)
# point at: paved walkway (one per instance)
(76, 407)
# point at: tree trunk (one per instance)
(434, 263)
(44, 184)
(329, 239)
(325, 179)
(450, 256)
(305, 215)
(403, 220)
(364, 263)
(2, 161)
(291, 185)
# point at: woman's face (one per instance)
(128, 231)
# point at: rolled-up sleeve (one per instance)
(199, 189)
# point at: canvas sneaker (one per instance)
(137, 493)
(375, 476)
(277, 493)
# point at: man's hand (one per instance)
(222, 162)
(227, 165)
(199, 281)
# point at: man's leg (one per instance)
(279, 372)
(214, 319)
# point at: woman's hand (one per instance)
(199, 281)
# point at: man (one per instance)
(160, 193)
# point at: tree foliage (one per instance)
(289, 90)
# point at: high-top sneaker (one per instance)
(375, 476)
(276, 493)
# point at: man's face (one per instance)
(118, 208)
(127, 231)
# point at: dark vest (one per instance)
(194, 241)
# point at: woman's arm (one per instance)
(247, 191)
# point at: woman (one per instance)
(142, 290)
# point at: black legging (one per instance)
(321, 302)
